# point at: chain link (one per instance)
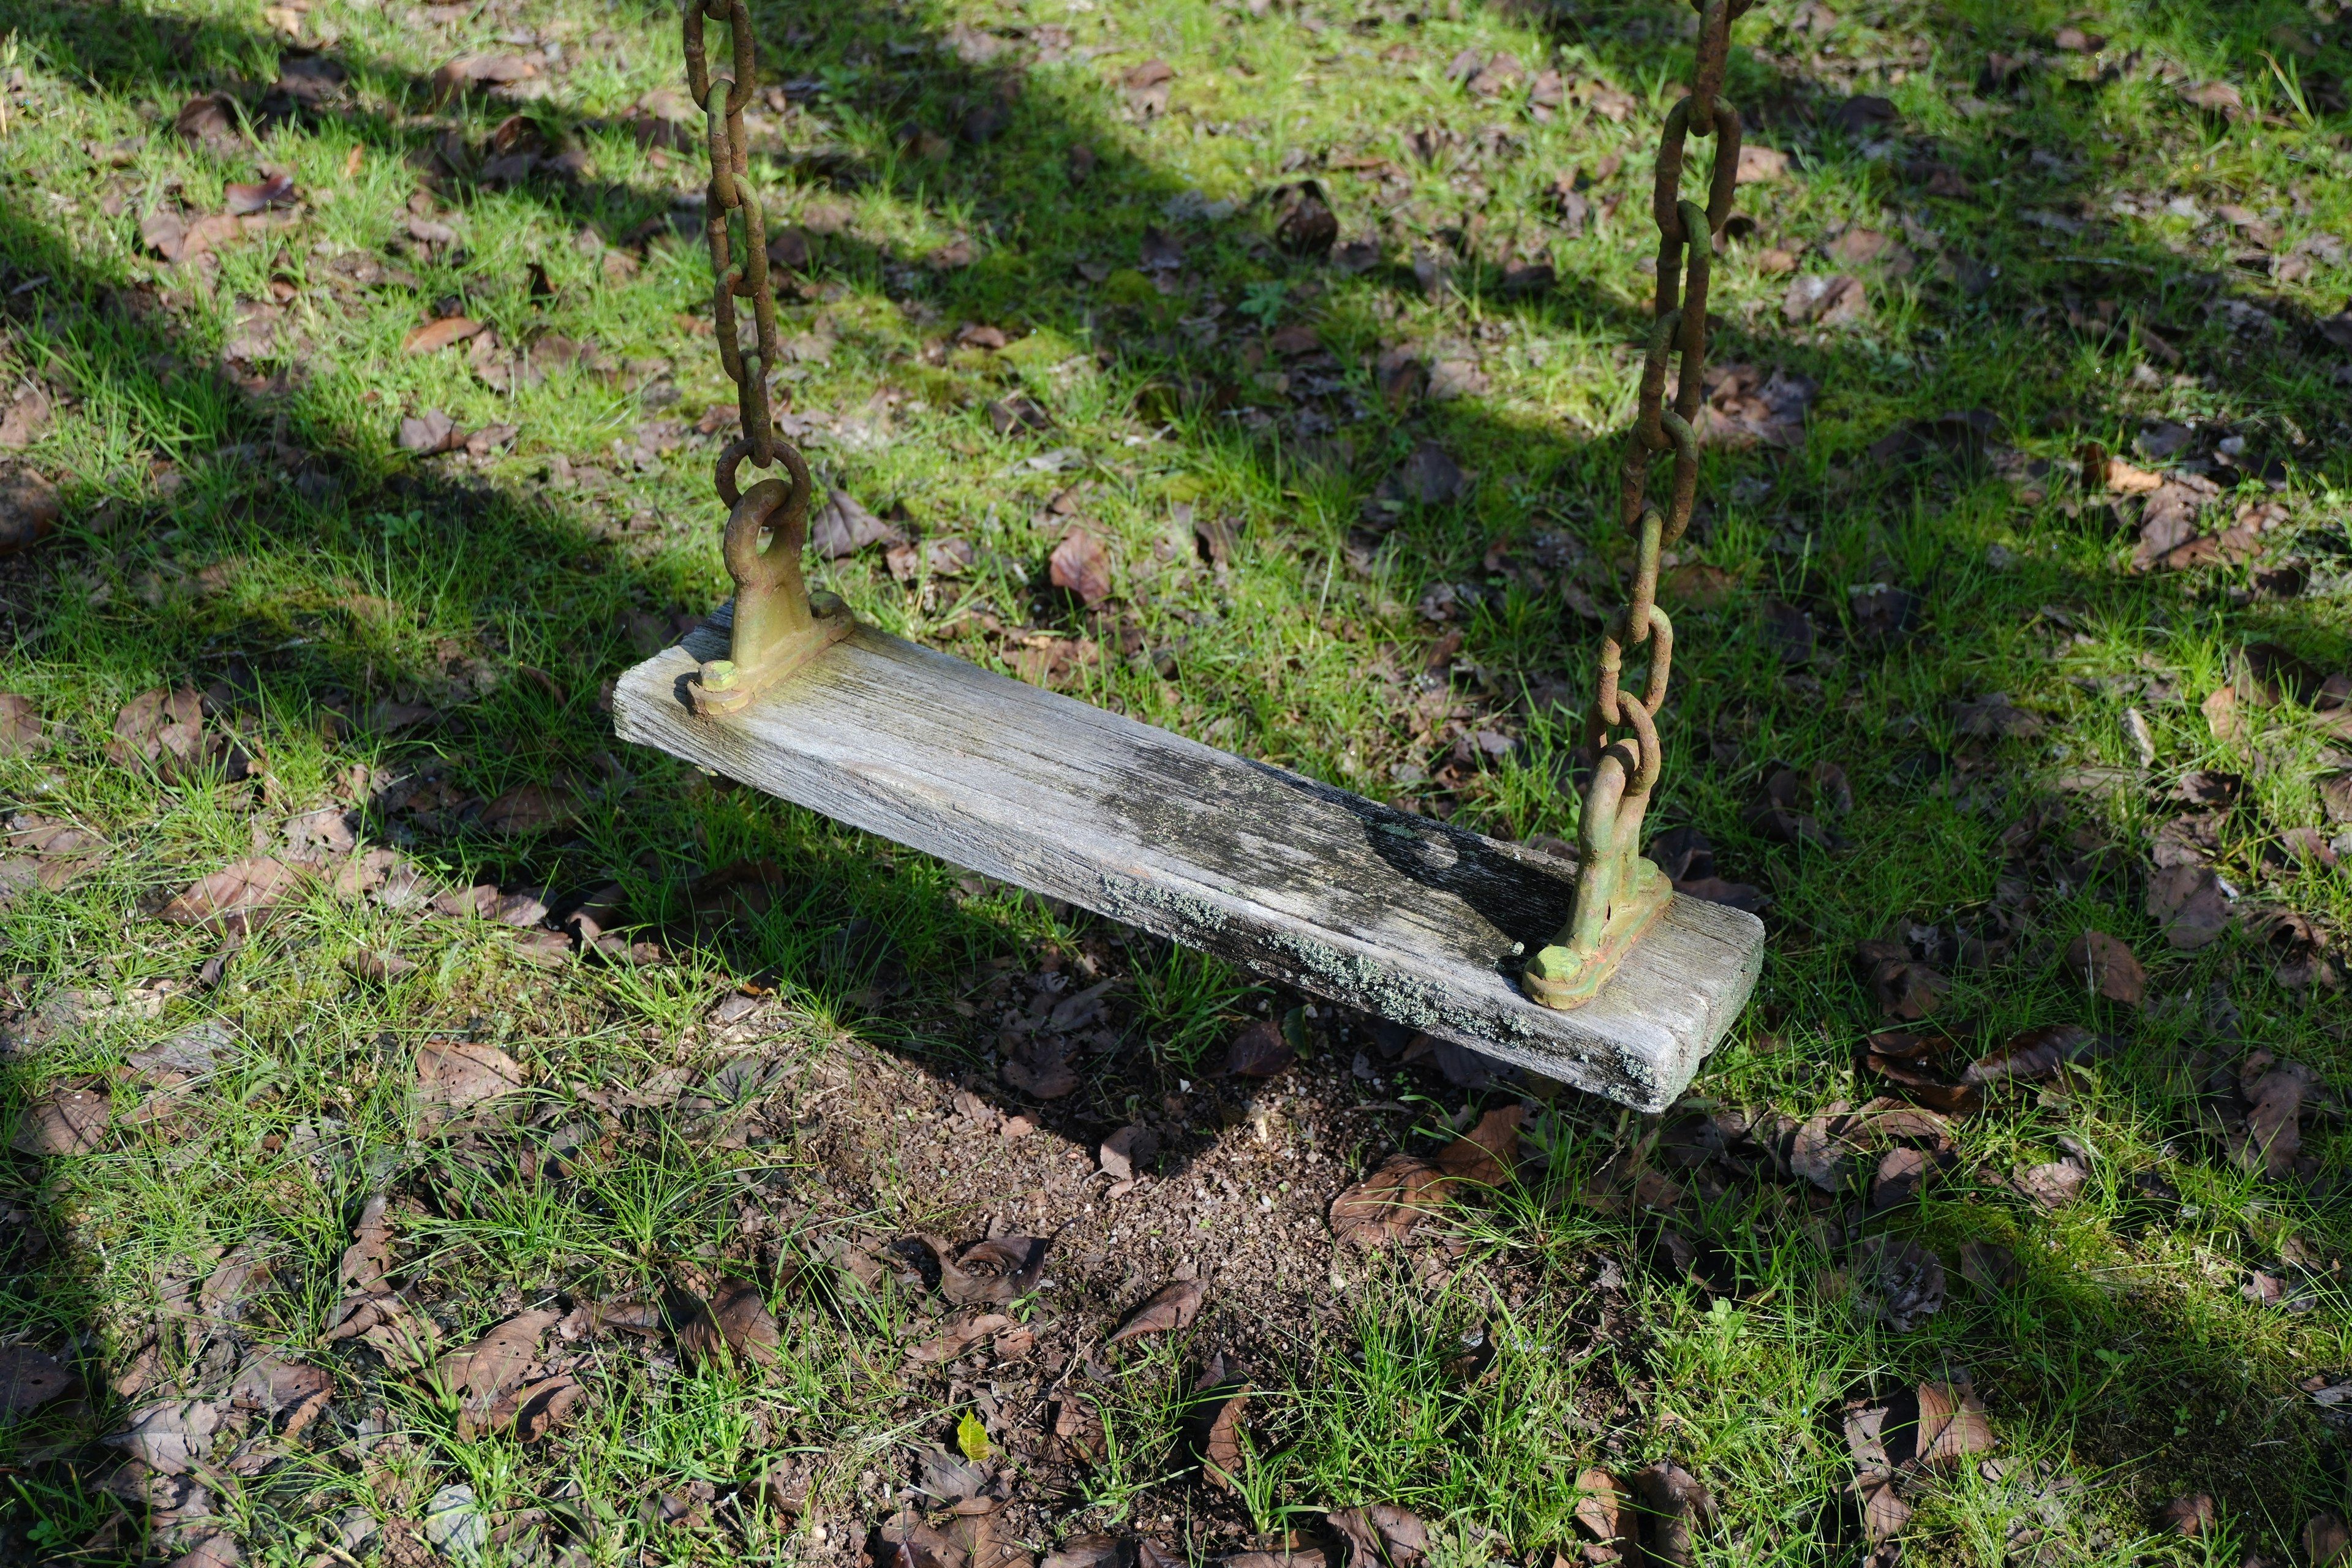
(726, 199)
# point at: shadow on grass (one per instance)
(550, 593)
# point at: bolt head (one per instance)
(1553, 962)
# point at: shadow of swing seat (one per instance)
(1307, 884)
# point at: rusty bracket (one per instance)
(779, 624)
(1619, 893)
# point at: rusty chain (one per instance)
(1678, 325)
(776, 624)
(1616, 894)
(722, 102)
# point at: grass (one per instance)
(249, 520)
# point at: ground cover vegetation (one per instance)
(440, 1132)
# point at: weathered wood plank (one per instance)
(1342, 897)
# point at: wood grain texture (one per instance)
(1400, 915)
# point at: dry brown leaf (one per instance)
(2035, 1055)
(456, 1075)
(231, 1283)
(1382, 1533)
(530, 808)
(1008, 415)
(1817, 1154)
(2053, 1185)
(429, 432)
(1680, 1506)
(1170, 1309)
(65, 1122)
(1259, 1051)
(171, 1438)
(905, 1540)
(1883, 1513)
(1300, 1556)
(58, 853)
(1902, 1174)
(957, 1338)
(738, 1321)
(496, 69)
(2325, 1540)
(407, 1341)
(274, 1388)
(1080, 564)
(1488, 1154)
(29, 1378)
(2106, 967)
(1952, 1423)
(237, 899)
(539, 1408)
(261, 195)
(1077, 1434)
(29, 510)
(1221, 1449)
(486, 1370)
(1827, 299)
(1700, 586)
(1126, 1149)
(20, 725)
(437, 335)
(992, 1272)
(2191, 1518)
(2274, 1131)
(628, 1317)
(2217, 98)
(211, 122)
(2188, 902)
(1915, 1062)
(1386, 1204)
(25, 420)
(1994, 717)
(369, 1257)
(1041, 1066)
(1909, 1123)
(1605, 1510)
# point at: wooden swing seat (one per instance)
(1401, 916)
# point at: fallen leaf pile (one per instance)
(1899, 1443)
(1903, 987)
(1747, 406)
(2258, 1106)
(1040, 1039)
(1655, 1515)
(1929, 1067)
(47, 852)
